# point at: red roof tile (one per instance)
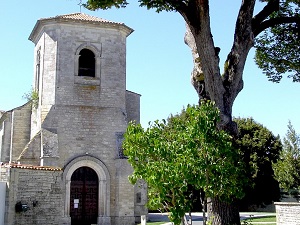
(24, 166)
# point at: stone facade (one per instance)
(15, 132)
(38, 189)
(287, 213)
(82, 111)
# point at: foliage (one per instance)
(278, 48)
(158, 5)
(185, 150)
(33, 97)
(260, 149)
(287, 169)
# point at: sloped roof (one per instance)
(78, 18)
(81, 17)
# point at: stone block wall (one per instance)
(60, 46)
(2, 201)
(20, 125)
(5, 136)
(140, 199)
(287, 213)
(125, 199)
(31, 154)
(40, 190)
(133, 106)
(87, 131)
(14, 132)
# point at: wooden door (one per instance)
(84, 197)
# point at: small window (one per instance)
(138, 197)
(37, 69)
(86, 63)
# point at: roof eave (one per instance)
(42, 22)
(32, 34)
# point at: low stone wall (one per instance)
(2, 201)
(287, 213)
(39, 190)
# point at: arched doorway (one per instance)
(84, 196)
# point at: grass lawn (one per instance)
(154, 223)
(250, 221)
(262, 219)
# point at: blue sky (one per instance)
(159, 64)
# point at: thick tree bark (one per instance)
(222, 89)
(223, 213)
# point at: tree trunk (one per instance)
(223, 213)
(220, 213)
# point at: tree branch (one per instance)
(234, 65)
(242, 42)
(244, 22)
(272, 6)
(180, 6)
(275, 21)
(191, 14)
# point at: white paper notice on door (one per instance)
(76, 202)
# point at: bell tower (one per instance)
(80, 76)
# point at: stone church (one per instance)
(61, 153)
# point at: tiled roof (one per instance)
(23, 166)
(82, 17)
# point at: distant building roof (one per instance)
(78, 18)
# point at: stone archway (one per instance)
(95, 51)
(103, 186)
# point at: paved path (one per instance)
(197, 218)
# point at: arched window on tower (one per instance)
(38, 69)
(86, 64)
